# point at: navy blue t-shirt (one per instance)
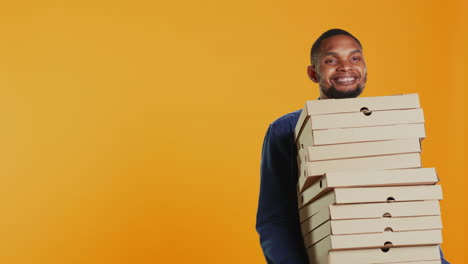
(278, 216)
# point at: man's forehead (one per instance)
(346, 53)
(340, 43)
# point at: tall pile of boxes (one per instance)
(363, 195)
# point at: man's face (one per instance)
(341, 70)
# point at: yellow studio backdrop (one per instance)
(131, 131)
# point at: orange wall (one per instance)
(131, 130)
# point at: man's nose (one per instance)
(344, 66)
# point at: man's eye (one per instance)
(329, 60)
(356, 58)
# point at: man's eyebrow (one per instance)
(334, 53)
(356, 51)
(330, 53)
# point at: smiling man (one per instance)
(339, 68)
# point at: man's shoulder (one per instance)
(286, 122)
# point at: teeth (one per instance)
(346, 79)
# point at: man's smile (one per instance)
(339, 69)
(344, 80)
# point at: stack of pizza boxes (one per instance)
(363, 195)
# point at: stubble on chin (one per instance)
(332, 92)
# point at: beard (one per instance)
(332, 92)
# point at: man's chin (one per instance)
(333, 92)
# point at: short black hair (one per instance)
(314, 52)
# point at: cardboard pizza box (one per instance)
(349, 105)
(371, 226)
(418, 176)
(379, 210)
(313, 208)
(315, 221)
(374, 194)
(330, 198)
(407, 255)
(363, 134)
(373, 240)
(311, 171)
(376, 225)
(360, 149)
(416, 262)
(364, 119)
(320, 254)
(339, 135)
(377, 240)
(369, 211)
(397, 177)
(319, 233)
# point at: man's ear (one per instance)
(312, 73)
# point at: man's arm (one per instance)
(277, 216)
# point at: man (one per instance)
(339, 68)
